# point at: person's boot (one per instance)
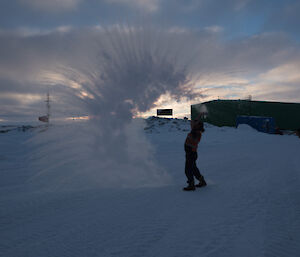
(190, 187)
(202, 182)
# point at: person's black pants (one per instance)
(191, 169)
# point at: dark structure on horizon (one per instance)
(164, 112)
(226, 112)
(46, 118)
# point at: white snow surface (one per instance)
(58, 200)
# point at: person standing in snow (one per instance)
(190, 146)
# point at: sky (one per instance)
(228, 49)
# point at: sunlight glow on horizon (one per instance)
(78, 118)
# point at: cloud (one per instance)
(241, 4)
(147, 5)
(285, 73)
(134, 66)
(235, 17)
(22, 98)
(69, 5)
(129, 66)
(34, 31)
(52, 5)
(259, 52)
(214, 29)
(278, 84)
(285, 18)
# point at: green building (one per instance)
(225, 112)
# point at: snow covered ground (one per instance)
(250, 208)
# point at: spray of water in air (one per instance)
(110, 74)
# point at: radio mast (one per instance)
(48, 105)
(46, 118)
